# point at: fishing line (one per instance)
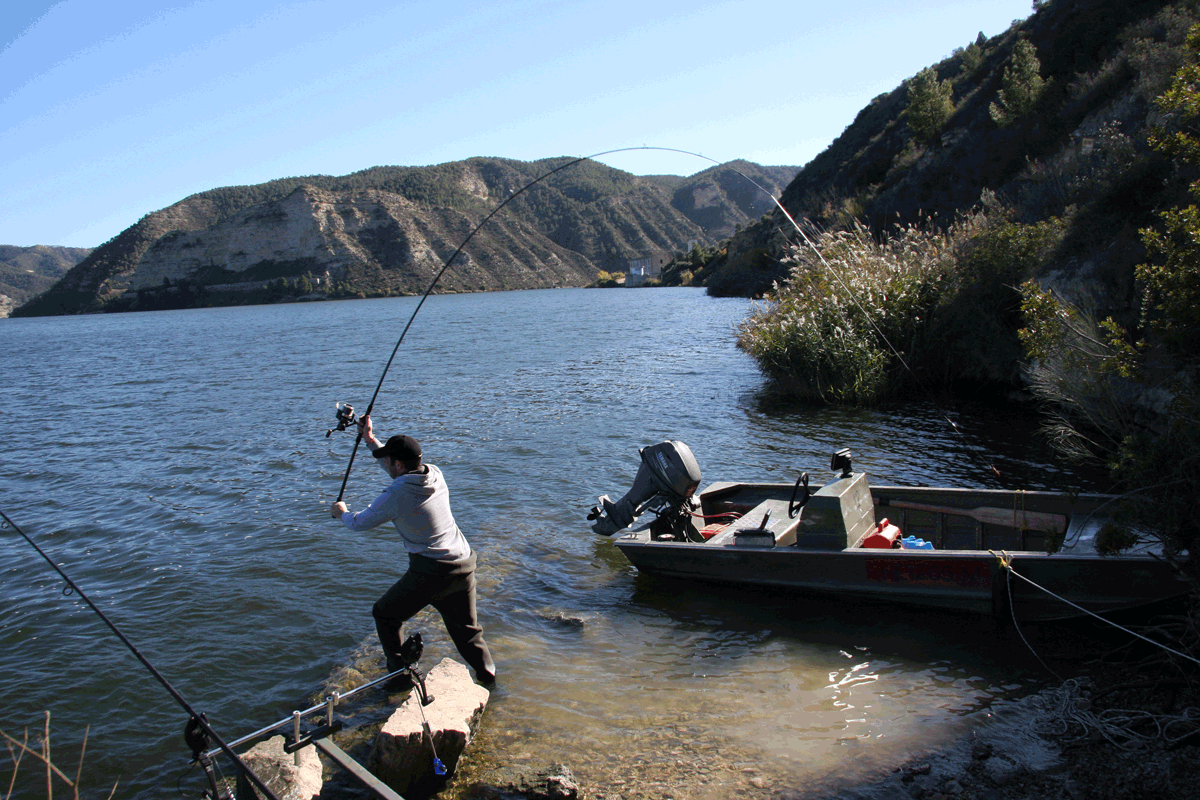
(345, 421)
(196, 718)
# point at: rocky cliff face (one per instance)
(725, 197)
(390, 230)
(375, 239)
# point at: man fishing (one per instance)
(441, 565)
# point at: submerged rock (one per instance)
(565, 619)
(556, 782)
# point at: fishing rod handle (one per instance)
(346, 477)
(357, 441)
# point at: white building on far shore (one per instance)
(642, 269)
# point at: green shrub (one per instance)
(1104, 409)
(835, 331)
(748, 273)
(1076, 368)
(1130, 398)
(974, 331)
(860, 320)
(1156, 50)
(1073, 177)
(609, 280)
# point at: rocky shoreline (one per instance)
(1060, 743)
(1128, 727)
(1057, 743)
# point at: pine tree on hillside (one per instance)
(971, 58)
(930, 104)
(1020, 86)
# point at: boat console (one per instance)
(836, 516)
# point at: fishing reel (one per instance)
(197, 737)
(345, 417)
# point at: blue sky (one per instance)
(112, 110)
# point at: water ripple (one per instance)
(184, 480)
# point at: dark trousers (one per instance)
(453, 595)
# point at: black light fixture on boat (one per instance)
(841, 461)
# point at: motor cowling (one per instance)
(669, 472)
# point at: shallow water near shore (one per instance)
(175, 464)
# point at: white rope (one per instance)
(1009, 567)
(1005, 561)
(1065, 710)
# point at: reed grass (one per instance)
(839, 328)
(18, 749)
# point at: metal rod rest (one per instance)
(330, 702)
(296, 735)
(306, 712)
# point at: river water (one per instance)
(175, 464)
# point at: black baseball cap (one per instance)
(400, 448)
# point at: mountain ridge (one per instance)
(26, 272)
(378, 231)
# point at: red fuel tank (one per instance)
(884, 537)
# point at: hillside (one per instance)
(1080, 153)
(1019, 223)
(388, 230)
(29, 271)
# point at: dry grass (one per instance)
(18, 749)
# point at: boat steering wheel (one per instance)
(793, 506)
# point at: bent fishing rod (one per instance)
(345, 413)
(198, 728)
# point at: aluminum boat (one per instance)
(1028, 554)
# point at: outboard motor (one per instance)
(665, 483)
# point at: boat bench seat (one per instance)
(765, 525)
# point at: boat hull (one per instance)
(954, 580)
